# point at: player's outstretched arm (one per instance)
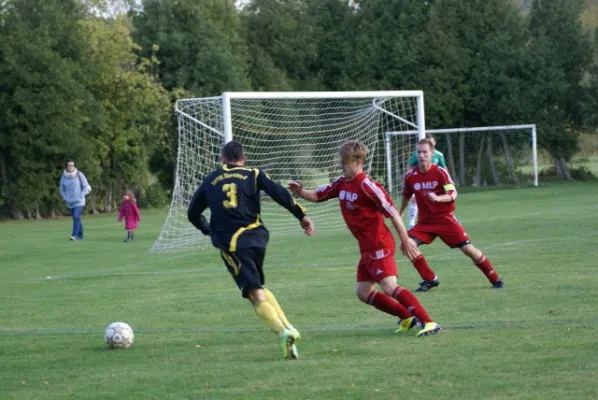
(280, 195)
(307, 225)
(404, 204)
(297, 188)
(449, 196)
(408, 246)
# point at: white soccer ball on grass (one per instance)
(119, 335)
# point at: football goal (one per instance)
(480, 156)
(290, 135)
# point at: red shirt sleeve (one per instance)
(447, 183)
(330, 191)
(379, 196)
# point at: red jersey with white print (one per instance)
(364, 204)
(436, 180)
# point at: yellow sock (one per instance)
(269, 315)
(272, 300)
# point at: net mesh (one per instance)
(484, 156)
(290, 139)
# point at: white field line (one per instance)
(212, 268)
(217, 268)
(571, 324)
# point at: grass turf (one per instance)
(196, 338)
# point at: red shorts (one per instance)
(447, 228)
(376, 265)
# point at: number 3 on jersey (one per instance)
(231, 192)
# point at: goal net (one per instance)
(291, 136)
(481, 156)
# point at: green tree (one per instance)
(132, 108)
(202, 52)
(386, 49)
(283, 44)
(333, 22)
(563, 56)
(42, 94)
(199, 44)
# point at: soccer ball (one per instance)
(118, 335)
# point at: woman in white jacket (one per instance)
(73, 189)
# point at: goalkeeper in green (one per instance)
(437, 159)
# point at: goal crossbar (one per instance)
(323, 95)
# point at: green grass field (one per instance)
(197, 339)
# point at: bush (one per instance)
(578, 174)
(583, 174)
(155, 196)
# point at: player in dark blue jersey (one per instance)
(232, 193)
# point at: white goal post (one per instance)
(476, 156)
(290, 135)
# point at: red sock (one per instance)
(486, 267)
(421, 265)
(387, 304)
(407, 299)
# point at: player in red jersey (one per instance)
(364, 204)
(435, 194)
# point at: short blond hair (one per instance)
(352, 151)
(427, 141)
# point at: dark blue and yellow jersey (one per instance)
(233, 195)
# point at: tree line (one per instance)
(95, 80)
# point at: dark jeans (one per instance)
(77, 225)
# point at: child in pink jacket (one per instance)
(130, 212)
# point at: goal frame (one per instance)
(420, 127)
(531, 127)
(206, 123)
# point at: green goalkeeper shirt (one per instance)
(437, 159)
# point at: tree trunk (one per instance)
(491, 162)
(451, 160)
(4, 174)
(108, 201)
(509, 159)
(566, 168)
(92, 205)
(562, 170)
(478, 166)
(37, 214)
(15, 213)
(462, 159)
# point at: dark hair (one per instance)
(233, 151)
(432, 139)
(66, 164)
